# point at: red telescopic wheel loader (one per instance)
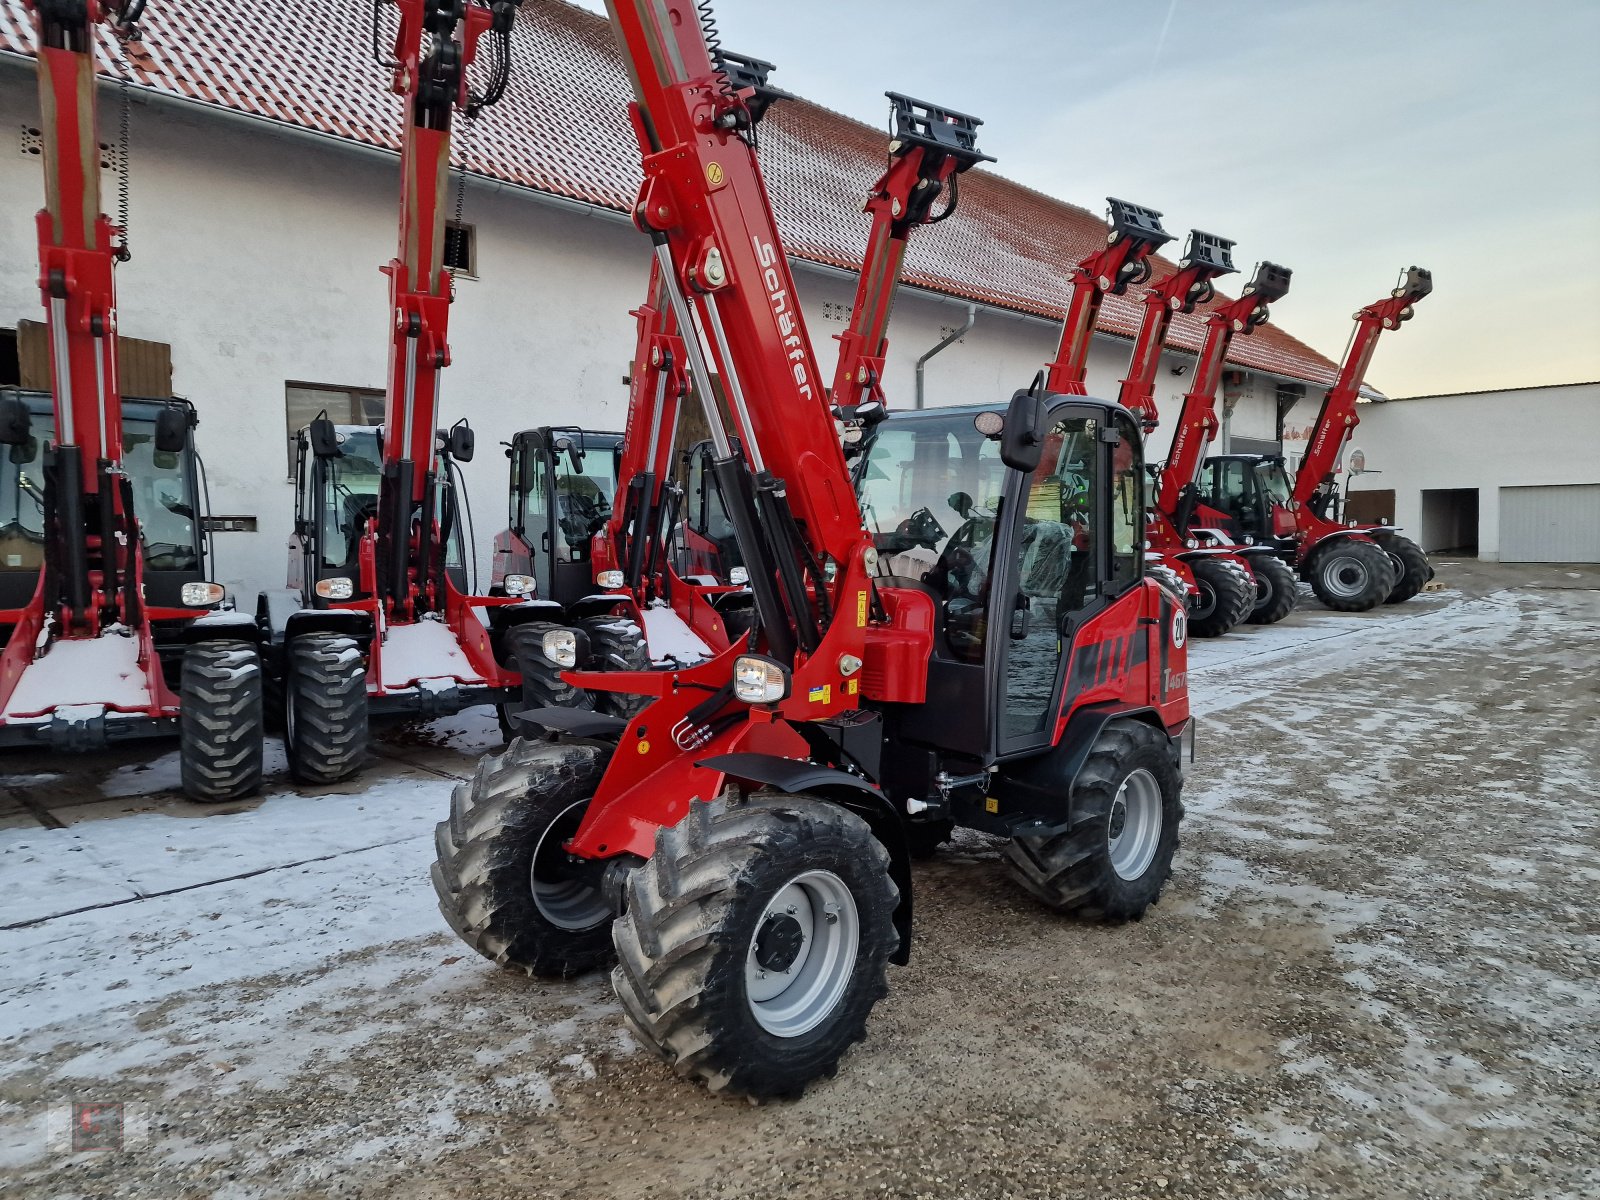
(111, 628)
(377, 618)
(1352, 568)
(738, 847)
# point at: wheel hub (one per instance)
(1133, 831)
(1119, 818)
(778, 942)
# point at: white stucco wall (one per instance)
(1488, 440)
(256, 256)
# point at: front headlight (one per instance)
(202, 595)
(759, 680)
(1191, 543)
(337, 588)
(609, 580)
(561, 647)
(519, 585)
(738, 576)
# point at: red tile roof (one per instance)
(562, 129)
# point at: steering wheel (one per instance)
(922, 528)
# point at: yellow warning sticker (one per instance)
(822, 694)
(715, 175)
(990, 804)
(644, 747)
(861, 610)
(851, 687)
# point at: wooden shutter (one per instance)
(145, 367)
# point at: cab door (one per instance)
(1069, 546)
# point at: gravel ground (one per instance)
(1374, 975)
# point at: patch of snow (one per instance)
(425, 650)
(669, 637)
(103, 670)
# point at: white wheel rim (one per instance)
(791, 998)
(565, 902)
(1133, 832)
(1346, 576)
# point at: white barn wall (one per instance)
(1487, 441)
(256, 255)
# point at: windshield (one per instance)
(583, 497)
(925, 477)
(1274, 481)
(350, 496)
(163, 498)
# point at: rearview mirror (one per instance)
(15, 421)
(1022, 439)
(172, 430)
(527, 469)
(324, 438)
(463, 442)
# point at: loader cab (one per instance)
(1249, 494)
(706, 544)
(562, 482)
(1018, 563)
(167, 499)
(335, 498)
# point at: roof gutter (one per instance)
(955, 336)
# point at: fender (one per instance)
(853, 792)
(237, 625)
(573, 722)
(508, 616)
(350, 621)
(1043, 784)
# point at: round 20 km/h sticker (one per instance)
(1180, 627)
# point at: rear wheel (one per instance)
(756, 941)
(504, 883)
(1225, 593)
(1411, 565)
(1113, 862)
(324, 707)
(1350, 575)
(221, 721)
(1277, 589)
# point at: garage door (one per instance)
(1550, 524)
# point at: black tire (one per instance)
(687, 943)
(1351, 575)
(325, 707)
(616, 644)
(1411, 565)
(1171, 580)
(517, 809)
(1248, 591)
(1277, 589)
(1079, 871)
(737, 621)
(542, 685)
(221, 721)
(923, 838)
(1225, 593)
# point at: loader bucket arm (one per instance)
(1337, 419)
(436, 43)
(1136, 234)
(1197, 420)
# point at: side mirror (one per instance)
(172, 431)
(528, 469)
(463, 442)
(16, 421)
(324, 438)
(1022, 439)
(565, 445)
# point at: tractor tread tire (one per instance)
(1247, 595)
(542, 685)
(325, 682)
(1380, 572)
(687, 926)
(616, 644)
(1283, 590)
(1231, 592)
(1171, 580)
(221, 721)
(1413, 569)
(1071, 872)
(484, 855)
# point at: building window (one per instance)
(305, 402)
(461, 249)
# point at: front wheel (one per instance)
(1225, 595)
(221, 723)
(756, 941)
(1277, 589)
(1351, 576)
(1113, 861)
(325, 707)
(504, 883)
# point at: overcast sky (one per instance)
(1345, 139)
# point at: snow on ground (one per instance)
(198, 959)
